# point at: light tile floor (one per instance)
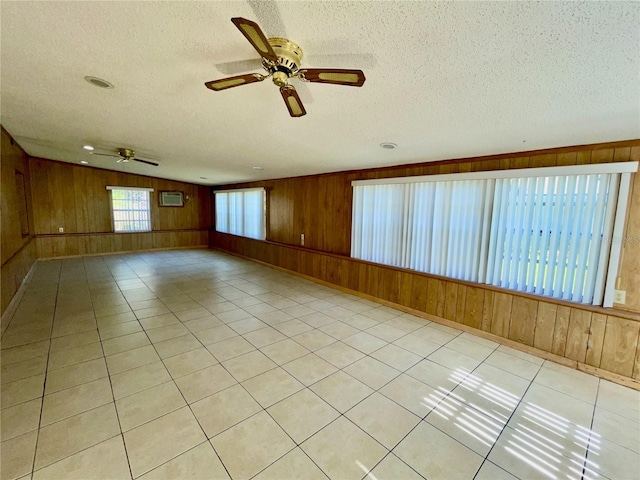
(197, 364)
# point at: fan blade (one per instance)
(105, 154)
(292, 101)
(336, 76)
(230, 82)
(254, 34)
(148, 162)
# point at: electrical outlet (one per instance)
(61, 230)
(620, 296)
(302, 239)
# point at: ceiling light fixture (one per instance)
(98, 82)
(258, 168)
(88, 147)
(203, 178)
(388, 145)
(84, 162)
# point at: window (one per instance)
(242, 212)
(130, 209)
(545, 231)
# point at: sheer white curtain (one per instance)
(242, 212)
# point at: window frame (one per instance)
(624, 169)
(148, 191)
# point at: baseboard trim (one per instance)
(10, 311)
(598, 372)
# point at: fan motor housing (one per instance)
(289, 55)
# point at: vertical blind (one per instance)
(532, 230)
(130, 209)
(242, 212)
(435, 227)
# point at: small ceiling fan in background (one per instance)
(281, 58)
(125, 155)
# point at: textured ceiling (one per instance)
(444, 80)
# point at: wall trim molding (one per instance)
(87, 234)
(10, 311)
(26, 243)
(599, 372)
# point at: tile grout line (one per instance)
(46, 375)
(591, 432)
(115, 407)
(486, 458)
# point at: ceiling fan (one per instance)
(281, 58)
(125, 155)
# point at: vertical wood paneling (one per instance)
(389, 285)
(450, 301)
(474, 307)
(18, 251)
(560, 330)
(501, 319)
(602, 156)
(524, 312)
(578, 335)
(620, 344)
(545, 325)
(461, 302)
(487, 310)
(440, 306)
(630, 266)
(433, 287)
(406, 287)
(596, 339)
(419, 293)
(75, 198)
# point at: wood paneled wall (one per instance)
(320, 207)
(75, 198)
(18, 250)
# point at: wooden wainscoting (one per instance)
(588, 337)
(66, 245)
(15, 269)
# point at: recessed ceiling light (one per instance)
(84, 162)
(258, 168)
(88, 147)
(98, 82)
(388, 145)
